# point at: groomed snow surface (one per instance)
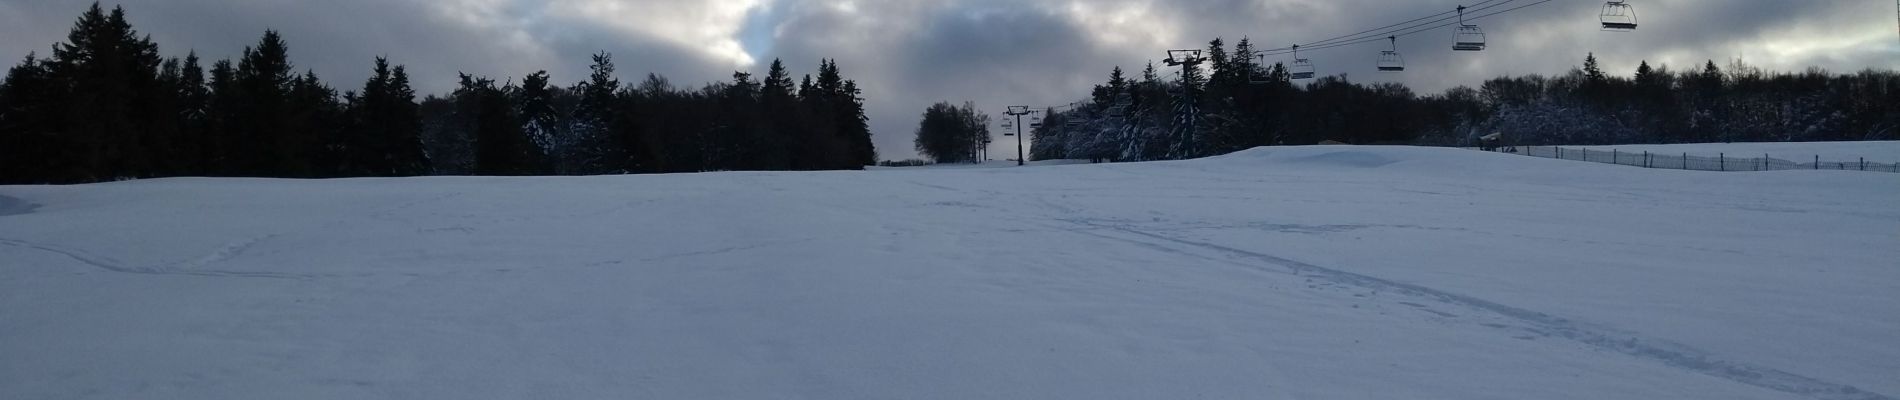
(1280, 273)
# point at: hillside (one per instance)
(1284, 273)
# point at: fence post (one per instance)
(1721, 160)
(1863, 163)
(1817, 161)
(1560, 153)
(1614, 159)
(1685, 160)
(1764, 162)
(1645, 159)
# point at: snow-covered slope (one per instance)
(1283, 273)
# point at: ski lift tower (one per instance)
(1019, 112)
(1186, 59)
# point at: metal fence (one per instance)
(1685, 161)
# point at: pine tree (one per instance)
(404, 117)
(224, 111)
(1644, 74)
(782, 135)
(600, 145)
(535, 104)
(385, 138)
(111, 74)
(735, 147)
(1711, 78)
(501, 149)
(32, 148)
(264, 142)
(856, 126)
(163, 144)
(1106, 95)
(193, 118)
(835, 117)
(1592, 71)
(310, 129)
(1245, 67)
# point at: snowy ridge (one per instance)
(1324, 272)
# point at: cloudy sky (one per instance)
(908, 54)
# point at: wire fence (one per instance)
(1685, 161)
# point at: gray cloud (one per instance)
(907, 54)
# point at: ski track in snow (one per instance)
(714, 252)
(111, 265)
(1671, 354)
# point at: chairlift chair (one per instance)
(1468, 37)
(1302, 68)
(1619, 16)
(1390, 60)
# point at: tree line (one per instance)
(1234, 103)
(950, 133)
(106, 105)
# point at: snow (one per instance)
(1010, 163)
(1886, 152)
(1324, 272)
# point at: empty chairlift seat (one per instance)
(1302, 68)
(1390, 60)
(1468, 37)
(1619, 16)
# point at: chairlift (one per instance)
(1619, 16)
(1302, 68)
(1390, 60)
(1468, 37)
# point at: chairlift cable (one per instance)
(1392, 26)
(1411, 32)
(1418, 27)
(1382, 32)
